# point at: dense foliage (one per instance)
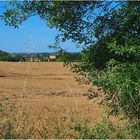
(66, 57)
(114, 59)
(111, 30)
(117, 74)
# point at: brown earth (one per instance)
(46, 88)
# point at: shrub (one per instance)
(117, 70)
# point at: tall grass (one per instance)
(13, 125)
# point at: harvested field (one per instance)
(46, 89)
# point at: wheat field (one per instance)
(46, 92)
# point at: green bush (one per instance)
(100, 130)
(117, 70)
(105, 129)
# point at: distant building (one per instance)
(51, 57)
(39, 57)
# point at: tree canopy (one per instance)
(81, 21)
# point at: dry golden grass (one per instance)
(45, 86)
(43, 96)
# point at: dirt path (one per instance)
(46, 87)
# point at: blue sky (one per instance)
(33, 35)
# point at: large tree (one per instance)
(82, 21)
(75, 19)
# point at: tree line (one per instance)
(4, 56)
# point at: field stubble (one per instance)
(45, 93)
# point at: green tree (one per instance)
(74, 19)
(4, 56)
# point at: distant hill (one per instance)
(39, 53)
(43, 53)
